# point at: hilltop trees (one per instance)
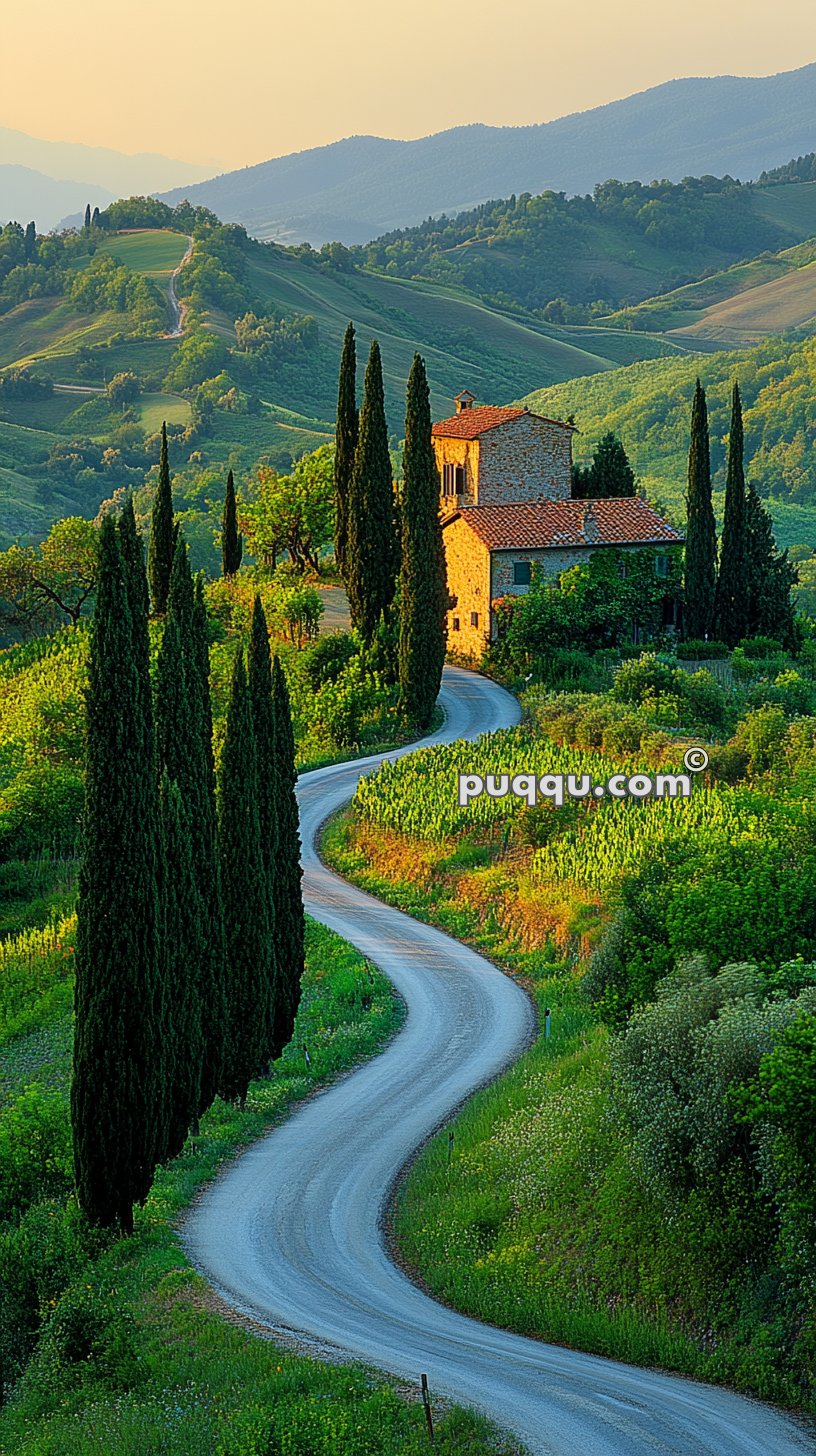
(117, 1097)
(162, 537)
(701, 530)
(347, 431)
(372, 549)
(423, 586)
(232, 545)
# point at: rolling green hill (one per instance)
(649, 405)
(282, 402)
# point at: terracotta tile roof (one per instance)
(568, 523)
(470, 423)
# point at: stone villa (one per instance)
(506, 478)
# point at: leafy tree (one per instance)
(116, 1091)
(733, 587)
(290, 925)
(292, 513)
(123, 388)
(701, 530)
(259, 682)
(246, 919)
(346, 443)
(39, 584)
(423, 583)
(372, 549)
(232, 545)
(162, 534)
(610, 475)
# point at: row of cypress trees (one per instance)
(748, 592)
(385, 548)
(190, 934)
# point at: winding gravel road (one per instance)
(291, 1233)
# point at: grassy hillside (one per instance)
(55, 452)
(739, 305)
(569, 258)
(649, 406)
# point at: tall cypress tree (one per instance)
(162, 534)
(701, 529)
(244, 887)
(290, 926)
(346, 444)
(771, 576)
(423, 582)
(87, 223)
(733, 585)
(182, 952)
(372, 548)
(259, 679)
(184, 737)
(232, 543)
(116, 1090)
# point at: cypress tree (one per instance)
(162, 534)
(733, 584)
(117, 1102)
(347, 430)
(246, 922)
(259, 679)
(290, 925)
(372, 547)
(30, 241)
(701, 530)
(182, 952)
(423, 583)
(771, 577)
(184, 739)
(232, 543)
(87, 223)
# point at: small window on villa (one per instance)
(456, 624)
(474, 619)
(522, 573)
(661, 566)
(623, 569)
(459, 479)
(448, 480)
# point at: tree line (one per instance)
(389, 547)
(745, 589)
(190, 925)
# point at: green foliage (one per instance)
(610, 474)
(273, 846)
(423, 595)
(293, 513)
(232, 543)
(116, 1090)
(42, 585)
(700, 580)
(371, 556)
(289, 919)
(162, 534)
(346, 433)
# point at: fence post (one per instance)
(426, 1401)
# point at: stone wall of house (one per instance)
(468, 567)
(458, 452)
(524, 460)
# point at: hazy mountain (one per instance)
(355, 189)
(120, 175)
(27, 195)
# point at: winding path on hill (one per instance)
(292, 1233)
(179, 307)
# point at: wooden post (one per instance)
(426, 1401)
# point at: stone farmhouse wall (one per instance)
(468, 566)
(526, 459)
(465, 453)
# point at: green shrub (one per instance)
(696, 649)
(35, 1149)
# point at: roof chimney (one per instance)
(590, 527)
(464, 400)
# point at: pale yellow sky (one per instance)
(231, 82)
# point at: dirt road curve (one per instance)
(292, 1232)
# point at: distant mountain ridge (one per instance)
(352, 190)
(26, 195)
